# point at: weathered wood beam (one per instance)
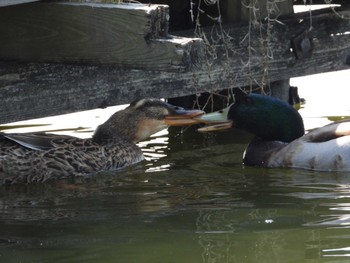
(37, 90)
(125, 35)
(261, 53)
(320, 2)
(15, 2)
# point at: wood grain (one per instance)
(125, 35)
(31, 90)
(15, 2)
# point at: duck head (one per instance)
(266, 117)
(142, 118)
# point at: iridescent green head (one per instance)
(266, 117)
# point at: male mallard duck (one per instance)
(40, 157)
(280, 139)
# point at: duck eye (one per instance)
(221, 111)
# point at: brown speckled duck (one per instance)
(40, 157)
(280, 140)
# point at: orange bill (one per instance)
(216, 127)
(182, 117)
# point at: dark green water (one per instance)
(192, 201)
(197, 204)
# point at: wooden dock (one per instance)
(97, 56)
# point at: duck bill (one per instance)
(182, 117)
(223, 126)
(214, 117)
(215, 121)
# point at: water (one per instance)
(191, 201)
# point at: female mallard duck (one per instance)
(40, 157)
(280, 139)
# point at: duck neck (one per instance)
(104, 135)
(117, 127)
(258, 151)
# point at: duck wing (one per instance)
(37, 141)
(329, 132)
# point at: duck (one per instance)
(44, 157)
(279, 138)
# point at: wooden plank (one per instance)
(321, 2)
(37, 90)
(15, 2)
(255, 59)
(260, 9)
(126, 35)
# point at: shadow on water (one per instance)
(199, 204)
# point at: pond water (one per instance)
(191, 201)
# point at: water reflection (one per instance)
(202, 209)
(192, 200)
(286, 225)
(336, 252)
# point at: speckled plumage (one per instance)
(68, 157)
(40, 157)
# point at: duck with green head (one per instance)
(41, 157)
(280, 137)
